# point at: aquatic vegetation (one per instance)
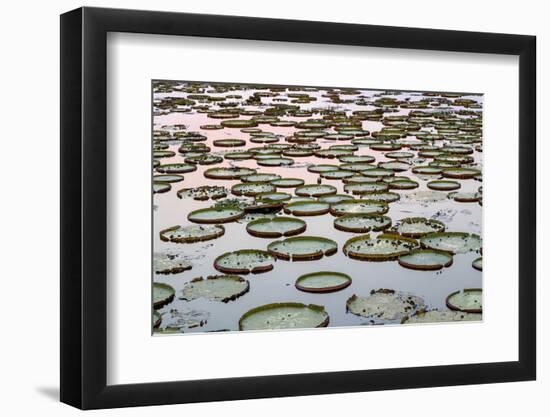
(275, 179)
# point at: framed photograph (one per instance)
(258, 208)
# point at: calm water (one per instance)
(278, 284)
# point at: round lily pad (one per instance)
(478, 263)
(275, 162)
(203, 192)
(461, 173)
(465, 197)
(383, 196)
(335, 198)
(170, 178)
(177, 168)
(438, 316)
(442, 185)
(452, 242)
(215, 215)
(192, 233)
(336, 175)
(260, 177)
(244, 261)
(303, 248)
(162, 294)
(418, 226)
(358, 207)
(239, 123)
(229, 143)
(365, 188)
(362, 223)
(284, 316)
(321, 168)
(222, 288)
(161, 187)
(251, 189)
(468, 300)
(307, 208)
(381, 248)
(228, 173)
(384, 305)
(276, 227)
(315, 190)
(425, 260)
(204, 159)
(323, 281)
(287, 182)
(168, 263)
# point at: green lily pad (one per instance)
(426, 260)
(452, 242)
(244, 261)
(170, 178)
(284, 316)
(461, 173)
(228, 173)
(365, 188)
(478, 264)
(335, 198)
(275, 162)
(438, 316)
(307, 208)
(204, 159)
(204, 192)
(276, 227)
(384, 305)
(168, 263)
(418, 226)
(161, 187)
(215, 215)
(385, 247)
(302, 248)
(323, 281)
(336, 175)
(260, 177)
(362, 223)
(177, 168)
(322, 168)
(252, 189)
(157, 319)
(229, 143)
(315, 190)
(358, 207)
(468, 300)
(222, 288)
(239, 123)
(287, 182)
(192, 233)
(442, 185)
(162, 294)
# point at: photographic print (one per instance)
(291, 207)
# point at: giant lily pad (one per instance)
(177, 168)
(442, 185)
(452, 242)
(323, 281)
(418, 226)
(303, 248)
(204, 192)
(468, 300)
(425, 260)
(169, 263)
(162, 294)
(161, 187)
(214, 215)
(228, 173)
(276, 227)
(315, 190)
(438, 316)
(358, 207)
(192, 233)
(287, 182)
(381, 248)
(251, 189)
(384, 305)
(307, 208)
(362, 223)
(169, 178)
(244, 261)
(284, 316)
(222, 288)
(229, 143)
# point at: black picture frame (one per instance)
(84, 207)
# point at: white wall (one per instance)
(29, 155)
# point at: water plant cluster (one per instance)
(261, 176)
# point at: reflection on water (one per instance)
(278, 284)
